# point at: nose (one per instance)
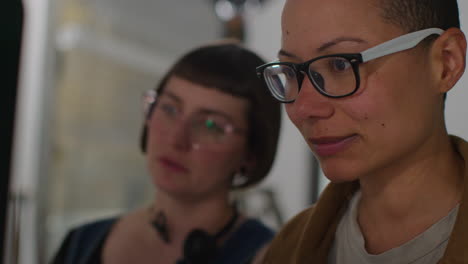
(309, 104)
(180, 138)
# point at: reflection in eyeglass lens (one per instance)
(204, 128)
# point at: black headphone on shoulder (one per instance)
(199, 246)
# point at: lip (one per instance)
(172, 165)
(328, 146)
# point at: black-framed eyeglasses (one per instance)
(334, 75)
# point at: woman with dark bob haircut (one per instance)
(211, 126)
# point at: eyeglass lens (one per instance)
(330, 75)
(203, 129)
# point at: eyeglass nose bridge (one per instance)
(185, 132)
(302, 70)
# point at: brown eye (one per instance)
(168, 109)
(339, 64)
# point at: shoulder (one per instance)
(244, 243)
(253, 227)
(97, 225)
(286, 241)
(81, 241)
(294, 228)
(460, 145)
(91, 231)
(250, 234)
(311, 232)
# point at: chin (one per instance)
(338, 172)
(166, 184)
(340, 178)
(170, 190)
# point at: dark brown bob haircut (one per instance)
(230, 68)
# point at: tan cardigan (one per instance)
(307, 238)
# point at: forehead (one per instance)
(194, 97)
(308, 24)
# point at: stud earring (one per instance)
(240, 177)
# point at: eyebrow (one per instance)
(282, 52)
(324, 46)
(336, 41)
(203, 110)
(207, 111)
(172, 96)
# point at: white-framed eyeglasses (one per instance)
(334, 75)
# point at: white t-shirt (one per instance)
(427, 248)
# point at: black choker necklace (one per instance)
(199, 247)
(159, 223)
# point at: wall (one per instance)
(456, 108)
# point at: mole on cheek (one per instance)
(383, 124)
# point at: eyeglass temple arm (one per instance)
(401, 43)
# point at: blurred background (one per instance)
(84, 67)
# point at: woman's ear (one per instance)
(449, 53)
(242, 175)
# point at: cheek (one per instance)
(154, 145)
(393, 111)
(370, 108)
(157, 134)
(291, 111)
(213, 170)
(218, 163)
(405, 99)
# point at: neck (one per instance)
(421, 179)
(210, 215)
(413, 195)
